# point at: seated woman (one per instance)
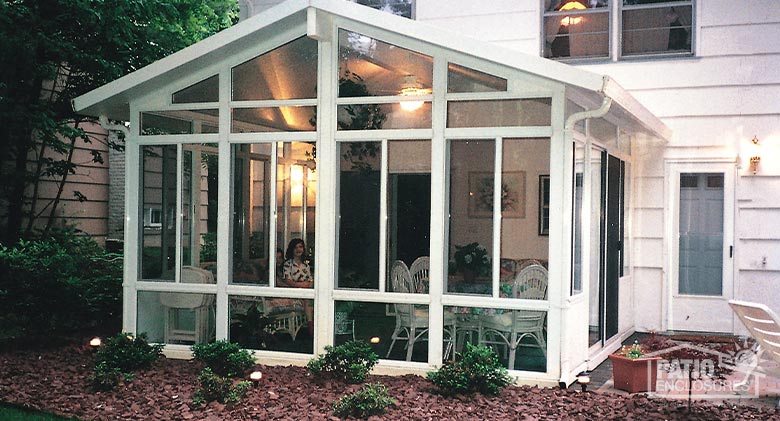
(297, 274)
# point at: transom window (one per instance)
(581, 28)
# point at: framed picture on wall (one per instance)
(481, 194)
(544, 205)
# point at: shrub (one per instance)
(477, 370)
(59, 285)
(128, 353)
(105, 377)
(218, 388)
(224, 358)
(350, 362)
(370, 400)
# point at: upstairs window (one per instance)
(580, 29)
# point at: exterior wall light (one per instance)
(755, 159)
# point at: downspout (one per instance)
(568, 136)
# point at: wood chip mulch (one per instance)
(56, 381)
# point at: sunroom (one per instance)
(439, 191)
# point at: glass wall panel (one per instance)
(409, 209)
(525, 174)
(179, 122)
(463, 79)
(271, 323)
(204, 91)
(576, 28)
(519, 337)
(359, 203)
(387, 327)
(471, 174)
(499, 113)
(296, 199)
(274, 119)
(176, 318)
(597, 200)
(403, 115)
(158, 234)
(287, 72)
(578, 190)
(370, 67)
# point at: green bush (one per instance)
(61, 285)
(218, 388)
(370, 400)
(477, 370)
(127, 352)
(106, 377)
(350, 362)
(224, 358)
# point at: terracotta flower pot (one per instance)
(634, 374)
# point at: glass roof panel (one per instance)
(462, 79)
(370, 67)
(204, 91)
(287, 72)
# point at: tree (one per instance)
(55, 50)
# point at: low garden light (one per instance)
(95, 342)
(255, 377)
(374, 340)
(584, 380)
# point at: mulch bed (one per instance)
(55, 381)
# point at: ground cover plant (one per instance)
(225, 361)
(120, 356)
(477, 369)
(350, 362)
(371, 399)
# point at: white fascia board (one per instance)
(636, 110)
(112, 98)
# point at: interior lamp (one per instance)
(755, 159)
(572, 5)
(411, 87)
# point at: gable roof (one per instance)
(112, 99)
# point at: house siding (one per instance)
(714, 102)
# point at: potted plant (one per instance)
(634, 371)
(471, 261)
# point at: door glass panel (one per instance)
(701, 235)
(158, 234)
(595, 299)
(296, 199)
(471, 186)
(409, 209)
(359, 202)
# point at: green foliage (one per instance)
(350, 362)
(477, 370)
(224, 358)
(371, 399)
(78, 45)
(253, 329)
(128, 352)
(119, 356)
(473, 257)
(208, 251)
(59, 285)
(217, 388)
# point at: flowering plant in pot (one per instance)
(471, 260)
(634, 371)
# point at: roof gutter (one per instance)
(582, 115)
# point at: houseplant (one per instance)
(634, 371)
(471, 261)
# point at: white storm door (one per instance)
(702, 251)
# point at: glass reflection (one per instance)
(270, 323)
(177, 318)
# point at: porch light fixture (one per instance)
(411, 87)
(255, 377)
(95, 342)
(755, 159)
(584, 380)
(572, 5)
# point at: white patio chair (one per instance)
(178, 305)
(510, 328)
(419, 271)
(411, 322)
(764, 325)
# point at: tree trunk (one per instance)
(56, 201)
